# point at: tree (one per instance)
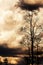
(34, 33)
(5, 61)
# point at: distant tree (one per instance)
(5, 61)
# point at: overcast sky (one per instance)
(8, 29)
(6, 4)
(10, 23)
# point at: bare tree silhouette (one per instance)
(34, 33)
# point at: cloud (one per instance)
(33, 2)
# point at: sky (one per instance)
(8, 26)
(11, 21)
(6, 4)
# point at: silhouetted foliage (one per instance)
(5, 61)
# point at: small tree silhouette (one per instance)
(5, 61)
